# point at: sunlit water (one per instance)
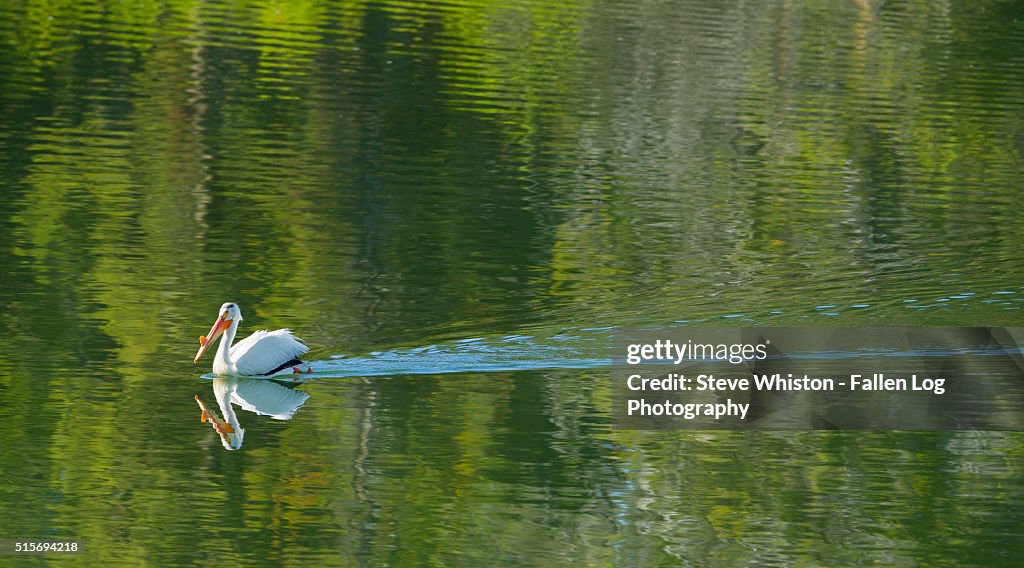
(454, 204)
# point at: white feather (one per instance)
(264, 351)
(268, 398)
(259, 354)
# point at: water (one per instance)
(453, 203)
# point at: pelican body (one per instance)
(262, 353)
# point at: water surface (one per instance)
(395, 179)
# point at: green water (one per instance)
(454, 204)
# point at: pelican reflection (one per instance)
(265, 397)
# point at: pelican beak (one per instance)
(207, 340)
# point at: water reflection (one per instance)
(265, 397)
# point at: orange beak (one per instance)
(207, 340)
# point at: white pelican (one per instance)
(262, 353)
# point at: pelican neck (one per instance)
(224, 349)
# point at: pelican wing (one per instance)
(268, 398)
(264, 351)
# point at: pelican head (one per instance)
(228, 314)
